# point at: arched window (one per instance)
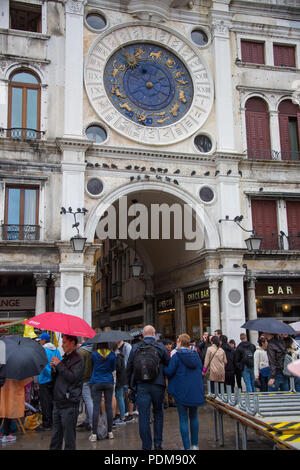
(24, 105)
(258, 129)
(289, 127)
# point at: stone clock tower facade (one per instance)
(183, 103)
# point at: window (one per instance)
(25, 17)
(253, 52)
(293, 222)
(284, 55)
(96, 133)
(258, 129)
(96, 21)
(264, 222)
(203, 143)
(24, 105)
(21, 213)
(199, 37)
(289, 127)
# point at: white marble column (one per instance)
(74, 68)
(221, 21)
(251, 305)
(41, 285)
(215, 318)
(87, 301)
(56, 281)
(275, 135)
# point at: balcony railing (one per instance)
(20, 232)
(280, 241)
(21, 133)
(267, 154)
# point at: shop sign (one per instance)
(197, 295)
(275, 290)
(165, 304)
(17, 303)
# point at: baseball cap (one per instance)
(45, 336)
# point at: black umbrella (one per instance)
(111, 336)
(269, 325)
(136, 332)
(24, 357)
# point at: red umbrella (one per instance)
(61, 323)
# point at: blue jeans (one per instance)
(87, 398)
(186, 414)
(249, 379)
(147, 395)
(120, 399)
(281, 383)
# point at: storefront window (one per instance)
(278, 299)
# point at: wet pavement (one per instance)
(126, 437)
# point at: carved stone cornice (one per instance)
(75, 6)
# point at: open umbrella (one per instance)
(111, 336)
(62, 323)
(295, 325)
(24, 357)
(269, 325)
(136, 332)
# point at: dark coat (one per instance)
(185, 378)
(68, 379)
(164, 361)
(230, 355)
(276, 352)
(121, 375)
(239, 359)
(203, 345)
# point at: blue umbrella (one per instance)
(269, 325)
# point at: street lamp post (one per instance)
(77, 242)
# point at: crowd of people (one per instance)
(117, 382)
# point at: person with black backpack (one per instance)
(146, 377)
(245, 362)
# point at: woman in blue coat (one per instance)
(186, 385)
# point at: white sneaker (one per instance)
(135, 412)
(9, 438)
(110, 435)
(93, 438)
(194, 448)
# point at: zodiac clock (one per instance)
(148, 83)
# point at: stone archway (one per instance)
(211, 235)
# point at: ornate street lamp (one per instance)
(253, 243)
(77, 242)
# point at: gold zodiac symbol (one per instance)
(182, 82)
(155, 55)
(139, 53)
(181, 96)
(170, 62)
(117, 69)
(116, 91)
(142, 117)
(178, 74)
(126, 106)
(175, 109)
(160, 121)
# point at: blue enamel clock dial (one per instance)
(148, 84)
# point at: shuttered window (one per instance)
(264, 221)
(253, 52)
(289, 128)
(284, 55)
(293, 221)
(258, 129)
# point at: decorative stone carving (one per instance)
(75, 6)
(296, 97)
(156, 10)
(41, 279)
(221, 29)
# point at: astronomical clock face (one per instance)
(148, 84)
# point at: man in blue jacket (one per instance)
(46, 383)
(145, 375)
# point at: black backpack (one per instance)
(248, 357)
(146, 363)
